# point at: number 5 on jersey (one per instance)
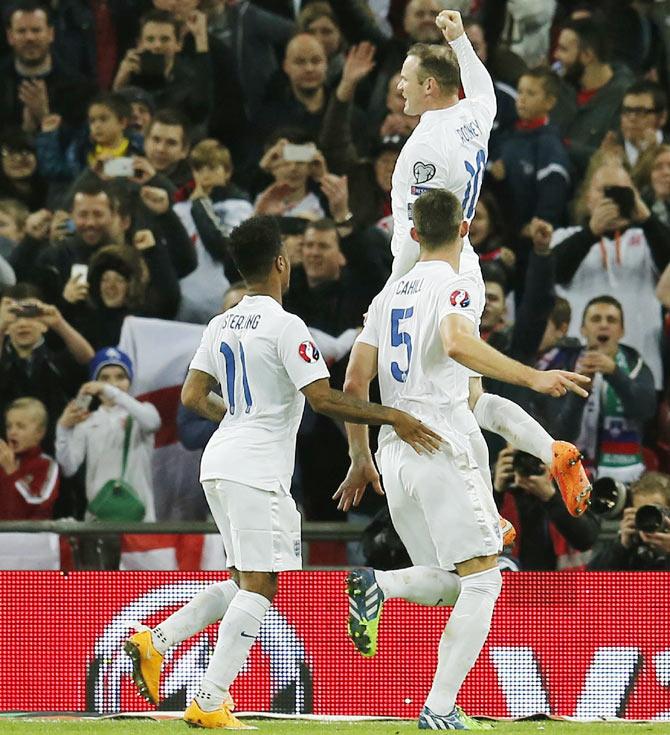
(399, 338)
(231, 374)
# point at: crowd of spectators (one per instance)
(136, 134)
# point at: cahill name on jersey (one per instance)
(262, 357)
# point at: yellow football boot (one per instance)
(221, 718)
(147, 662)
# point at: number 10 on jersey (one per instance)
(231, 374)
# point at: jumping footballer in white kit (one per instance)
(421, 340)
(448, 149)
(266, 363)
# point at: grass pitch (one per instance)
(296, 727)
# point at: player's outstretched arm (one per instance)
(338, 405)
(196, 395)
(462, 345)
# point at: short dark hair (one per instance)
(654, 89)
(168, 116)
(437, 218)
(115, 102)
(592, 35)
(93, 187)
(254, 245)
(561, 313)
(493, 272)
(23, 290)
(325, 224)
(161, 16)
(27, 6)
(603, 299)
(296, 135)
(438, 62)
(549, 81)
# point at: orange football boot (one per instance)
(508, 532)
(567, 470)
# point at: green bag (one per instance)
(117, 500)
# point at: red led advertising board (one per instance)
(568, 643)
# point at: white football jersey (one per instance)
(262, 356)
(415, 373)
(446, 150)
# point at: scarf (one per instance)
(103, 153)
(611, 444)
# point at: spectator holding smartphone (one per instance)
(608, 427)
(31, 367)
(296, 165)
(618, 248)
(29, 479)
(157, 65)
(106, 146)
(98, 436)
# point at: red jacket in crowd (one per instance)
(31, 491)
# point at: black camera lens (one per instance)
(608, 497)
(652, 518)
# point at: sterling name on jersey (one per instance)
(446, 150)
(262, 357)
(415, 372)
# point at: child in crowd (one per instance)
(98, 437)
(29, 479)
(107, 137)
(534, 163)
(214, 209)
(13, 218)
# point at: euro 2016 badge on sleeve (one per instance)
(460, 298)
(308, 351)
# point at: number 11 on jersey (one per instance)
(399, 338)
(231, 374)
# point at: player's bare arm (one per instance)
(361, 370)
(196, 395)
(462, 345)
(338, 405)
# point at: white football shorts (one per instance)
(260, 529)
(440, 505)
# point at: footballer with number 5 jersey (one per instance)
(420, 339)
(266, 363)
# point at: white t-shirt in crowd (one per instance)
(626, 271)
(446, 150)
(415, 373)
(262, 356)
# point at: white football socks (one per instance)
(423, 585)
(464, 637)
(208, 606)
(504, 417)
(238, 631)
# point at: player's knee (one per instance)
(485, 585)
(262, 583)
(235, 575)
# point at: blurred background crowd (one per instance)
(135, 134)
